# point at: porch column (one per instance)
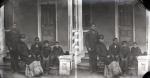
(2, 34)
(39, 19)
(80, 26)
(70, 25)
(148, 37)
(116, 19)
(148, 31)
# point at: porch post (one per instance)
(2, 34)
(148, 36)
(39, 19)
(148, 32)
(133, 23)
(116, 20)
(80, 26)
(70, 25)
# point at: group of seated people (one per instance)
(40, 51)
(127, 56)
(124, 53)
(21, 54)
(46, 53)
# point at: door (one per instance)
(48, 22)
(125, 22)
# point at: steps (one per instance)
(84, 65)
(5, 67)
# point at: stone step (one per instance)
(83, 66)
(85, 59)
(5, 66)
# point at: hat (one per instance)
(115, 39)
(124, 42)
(46, 41)
(36, 38)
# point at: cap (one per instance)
(46, 41)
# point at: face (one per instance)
(125, 44)
(23, 39)
(116, 41)
(57, 44)
(37, 40)
(14, 26)
(101, 40)
(135, 45)
(93, 27)
(46, 44)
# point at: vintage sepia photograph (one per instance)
(74, 39)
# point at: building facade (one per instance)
(67, 21)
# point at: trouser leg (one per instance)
(14, 63)
(44, 65)
(93, 63)
(124, 66)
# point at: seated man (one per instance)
(36, 49)
(124, 54)
(57, 51)
(102, 50)
(135, 51)
(46, 51)
(23, 51)
(114, 49)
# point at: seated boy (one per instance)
(124, 54)
(46, 50)
(36, 49)
(57, 51)
(135, 51)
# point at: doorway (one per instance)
(48, 22)
(126, 23)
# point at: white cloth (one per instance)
(37, 68)
(107, 72)
(115, 68)
(28, 71)
(33, 69)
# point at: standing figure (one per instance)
(57, 51)
(135, 51)
(91, 41)
(36, 49)
(102, 50)
(114, 49)
(23, 52)
(124, 55)
(12, 38)
(46, 51)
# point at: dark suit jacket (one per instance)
(114, 49)
(124, 52)
(46, 51)
(135, 51)
(101, 49)
(91, 39)
(22, 49)
(36, 48)
(57, 51)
